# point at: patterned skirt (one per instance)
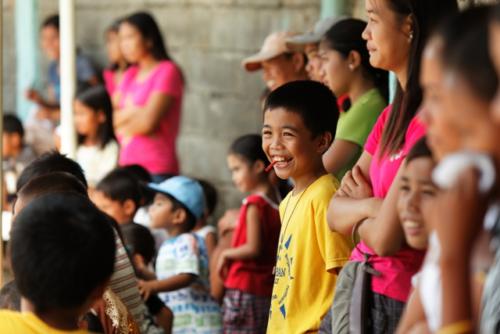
(244, 313)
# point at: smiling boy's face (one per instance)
(290, 144)
(416, 192)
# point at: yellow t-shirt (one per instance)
(308, 254)
(28, 323)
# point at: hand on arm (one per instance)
(133, 121)
(345, 211)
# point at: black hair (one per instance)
(466, 47)
(313, 101)
(496, 13)
(345, 37)
(419, 150)
(139, 172)
(52, 183)
(120, 185)
(12, 124)
(143, 177)
(48, 163)
(62, 248)
(425, 14)
(10, 299)
(139, 240)
(249, 147)
(211, 195)
(51, 21)
(97, 99)
(149, 30)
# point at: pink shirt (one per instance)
(397, 270)
(155, 152)
(109, 81)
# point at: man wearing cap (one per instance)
(279, 64)
(309, 44)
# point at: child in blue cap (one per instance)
(181, 278)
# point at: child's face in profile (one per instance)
(115, 209)
(244, 174)
(162, 212)
(49, 37)
(289, 143)
(416, 191)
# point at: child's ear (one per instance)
(324, 142)
(129, 207)
(258, 166)
(101, 117)
(180, 216)
(298, 61)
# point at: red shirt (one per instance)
(256, 276)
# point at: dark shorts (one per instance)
(385, 314)
(245, 313)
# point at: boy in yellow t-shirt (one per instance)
(63, 253)
(300, 119)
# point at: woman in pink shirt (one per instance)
(395, 35)
(148, 100)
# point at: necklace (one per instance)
(287, 222)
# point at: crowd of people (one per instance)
(363, 213)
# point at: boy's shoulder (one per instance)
(323, 188)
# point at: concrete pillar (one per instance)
(68, 76)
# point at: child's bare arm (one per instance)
(165, 285)
(413, 315)
(211, 243)
(253, 247)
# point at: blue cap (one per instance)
(187, 191)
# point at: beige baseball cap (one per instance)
(274, 45)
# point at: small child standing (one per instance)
(202, 228)
(182, 262)
(16, 154)
(97, 150)
(248, 265)
(300, 119)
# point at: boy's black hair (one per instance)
(10, 299)
(56, 182)
(48, 163)
(190, 217)
(98, 99)
(211, 195)
(51, 21)
(62, 249)
(313, 101)
(143, 177)
(120, 185)
(249, 147)
(139, 240)
(419, 150)
(12, 124)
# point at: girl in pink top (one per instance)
(117, 63)
(149, 99)
(395, 35)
